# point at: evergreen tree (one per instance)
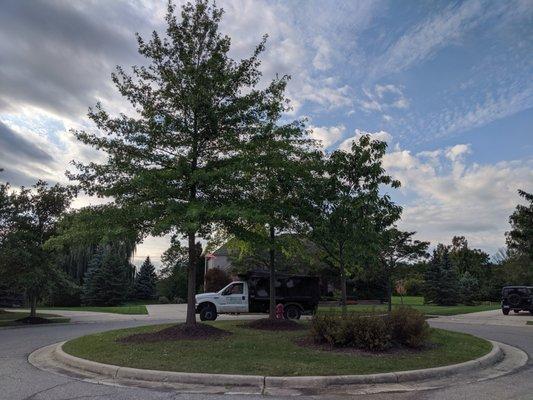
(107, 281)
(170, 163)
(145, 281)
(520, 237)
(468, 288)
(441, 286)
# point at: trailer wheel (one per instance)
(292, 312)
(208, 313)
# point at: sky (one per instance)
(448, 84)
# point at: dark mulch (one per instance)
(33, 320)
(267, 324)
(177, 332)
(309, 343)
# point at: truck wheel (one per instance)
(292, 312)
(516, 311)
(208, 313)
(505, 311)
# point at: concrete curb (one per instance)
(265, 382)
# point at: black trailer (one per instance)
(298, 293)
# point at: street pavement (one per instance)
(21, 381)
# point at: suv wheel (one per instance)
(516, 311)
(208, 313)
(292, 312)
(505, 311)
(514, 300)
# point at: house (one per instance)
(219, 259)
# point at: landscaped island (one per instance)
(276, 353)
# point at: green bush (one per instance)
(405, 326)
(351, 330)
(408, 327)
(163, 300)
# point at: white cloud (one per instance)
(322, 59)
(383, 98)
(381, 135)
(445, 197)
(422, 41)
(327, 135)
(455, 153)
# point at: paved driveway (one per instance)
(494, 317)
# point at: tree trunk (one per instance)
(33, 305)
(344, 295)
(389, 293)
(191, 281)
(272, 268)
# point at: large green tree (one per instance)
(278, 163)
(29, 218)
(194, 108)
(345, 210)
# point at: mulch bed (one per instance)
(177, 332)
(267, 324)
(33, 320)
(309, 343)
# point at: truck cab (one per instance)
(231, 299)
(298, 294)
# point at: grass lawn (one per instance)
(529, 323)
(8, 318)
(418, 303)
(125, 309)
(254, 352)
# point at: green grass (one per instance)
(250, 351)
(418, 303)
(8, 318)
(529, 323)
(133, 309)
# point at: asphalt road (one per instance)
(20, 380)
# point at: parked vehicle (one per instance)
(517, 298)
(250, 294)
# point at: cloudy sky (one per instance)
(449, 85)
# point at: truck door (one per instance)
(235, 298)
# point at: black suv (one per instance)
(517, 298)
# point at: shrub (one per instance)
(216, 279)
(365, 332)
(408, 327)
(405, 326)
(163, 300)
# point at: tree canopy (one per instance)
(171, 161)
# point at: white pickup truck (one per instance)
(298, 294)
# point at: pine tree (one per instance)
(145, 281)
(107, 280)
(442, 286)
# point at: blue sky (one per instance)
(449, 85)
